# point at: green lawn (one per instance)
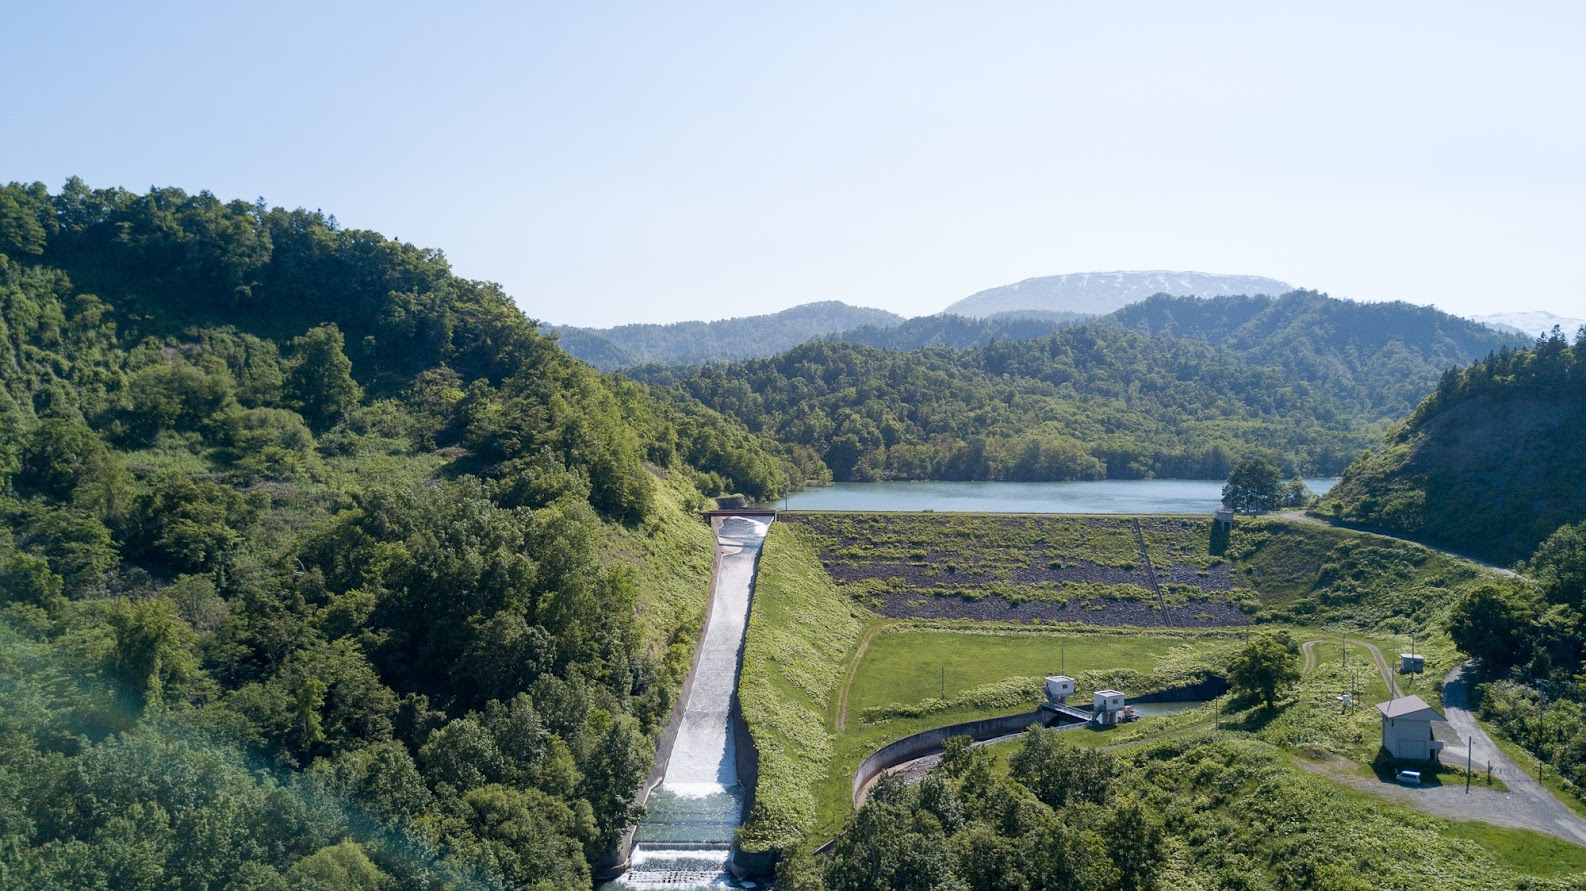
(1134, 660)
(908, 665)
(1530, 852)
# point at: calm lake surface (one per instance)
(1098, 497)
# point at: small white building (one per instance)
(1407, 729)
(1108, 708)
(1411, 663)
(1059, 688)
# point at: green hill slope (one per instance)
(318, 560)
(1491, 463)
(1177, 389)
(1379, 358)
(693, 343)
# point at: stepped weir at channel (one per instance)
(686, 838)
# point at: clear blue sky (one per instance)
(612, 162)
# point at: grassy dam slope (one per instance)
(870, 627)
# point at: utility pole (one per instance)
(1541, 720)
(944, 681)
(1467, 765)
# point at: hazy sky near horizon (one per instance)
(653, 162)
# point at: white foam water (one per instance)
(679, 868)
(686, 837)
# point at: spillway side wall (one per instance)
(617, 860)
(748, 864)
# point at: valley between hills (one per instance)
(324, 567)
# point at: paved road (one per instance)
(1527, 805)
(1527, 801)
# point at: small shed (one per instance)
(1059, 688)
(1407, 729)
(1107, 707)
(1411, 663)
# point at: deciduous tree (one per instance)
(1265, 667)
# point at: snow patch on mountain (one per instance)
(1533, 324)
(1102, 292)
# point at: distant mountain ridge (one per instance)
(1172, 387)
(1383, 355)
(959, 332)
(694, 343)
(1098, 293)
(1535, 323)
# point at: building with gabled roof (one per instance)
(1407, 729)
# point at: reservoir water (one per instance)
(1088, 497)
(686, 837)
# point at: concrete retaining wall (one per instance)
(929, 742)
(1211, 687)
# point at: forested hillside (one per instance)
(1379, 359)
(960, 332)
(1101, 399)
(321, 567)
(1491, 463)
(694, 343)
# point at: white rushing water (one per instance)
(686, 837)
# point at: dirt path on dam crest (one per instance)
(852, 672)
(1389, 679)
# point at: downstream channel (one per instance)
(685, 841)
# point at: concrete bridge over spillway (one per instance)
(702, 784)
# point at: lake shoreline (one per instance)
(1101, 497)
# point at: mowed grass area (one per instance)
(909, 665)
(999, 671)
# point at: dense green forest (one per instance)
(1379, 359)
(694, 343)
(960, 332)
(1102, 399)
(1191, 812)
(1491, 463)
(321, 567)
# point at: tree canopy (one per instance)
(321, 567)
(1490, 464)
(1264, 668)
